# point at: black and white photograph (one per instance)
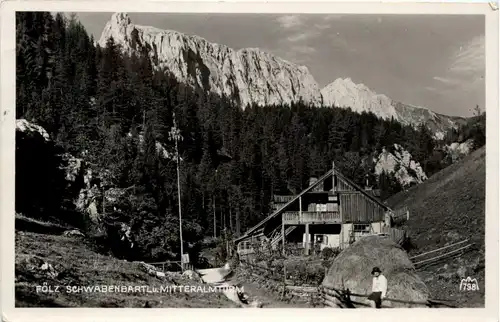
(250, 160)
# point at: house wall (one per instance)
(342, 185)
(356, 207)
(376, 228)
(346, 229)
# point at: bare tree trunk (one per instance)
(230, 219)
(238, 228)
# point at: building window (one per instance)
(320, 207)
(362, 228)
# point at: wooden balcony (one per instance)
(282, 199)
(311, 217)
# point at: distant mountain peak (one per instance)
(344, 92)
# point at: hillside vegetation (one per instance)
(447, 208)
(68, 261)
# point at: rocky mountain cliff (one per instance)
(248, 75)
(251, 75)
(346, 93)
(400, 163)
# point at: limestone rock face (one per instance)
(27, 127)
(457, 151)
(247, 76)
(400, 163)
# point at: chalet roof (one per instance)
(320, 180)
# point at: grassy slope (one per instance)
(78, 265)
(449, 207)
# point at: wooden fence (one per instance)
(329, 296)
(435, 256)
(167, 264)
(396, 235)
(343, 298)
(285, 286)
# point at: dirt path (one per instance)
(256, 293)
(267, 298)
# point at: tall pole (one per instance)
(333, 176)
(176, 136)
(215, 220)
(215, 217)
(225, 234)
(179, 201)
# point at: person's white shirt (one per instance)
(379, 284)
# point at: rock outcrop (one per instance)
(31, 129)
(400, 163)
(47, 182)
(457, 151)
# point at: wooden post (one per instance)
(341, 227)
(307, 239)
(333, 177)
(283, 232)
(284, 280)
(300, 208)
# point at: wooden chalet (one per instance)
(332, 211)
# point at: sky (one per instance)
(435, 61)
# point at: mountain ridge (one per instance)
(248, 75)
(343, 92)
(254, 76)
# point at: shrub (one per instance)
(328, 253)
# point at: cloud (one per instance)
(304, 49)
(298, 54)
(445, 80)
(466, 69)
(289, 21)
(306, 35)
(322, 26)
(470, 59)
(332, 17)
